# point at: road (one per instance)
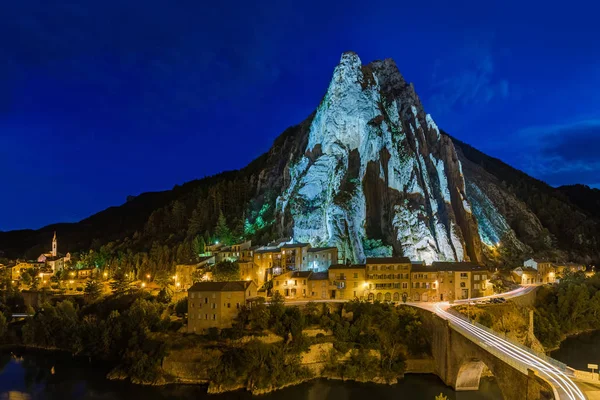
(515, 355)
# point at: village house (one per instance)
(22, 266)
(470, 280)
(424, 283)
(320, 258)
(293, 256)
(293, 285)
(318, 285)
(388, 278)
(347, 282)
(249, 271)
(526, 276)
(268, 259)
(184, 273)
(216, 304)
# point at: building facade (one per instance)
(347, 282)
(216, 304)
(388, 278)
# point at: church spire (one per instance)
(54, 246)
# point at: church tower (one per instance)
(54, 246)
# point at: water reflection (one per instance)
(29, 376)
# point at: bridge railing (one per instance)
(561, 366)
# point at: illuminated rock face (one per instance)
(377, 178)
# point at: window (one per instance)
(462, 284)
(206, 300)
(192, 295)
(355, 284)
(483, 277)
(464, 275)
(237, 305)
(476, 286)
(213, 306)
(404, 285)
(475, 277)
(214, 317)
(356, 275)
(304, 282)
(205, 316)
(228, 305)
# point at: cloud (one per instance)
(563, 153)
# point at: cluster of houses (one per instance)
(46, 265)
(538, 271)
(299, 272)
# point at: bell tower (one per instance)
(54, 246)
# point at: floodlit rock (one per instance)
(376, 176)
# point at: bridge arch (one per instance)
(469, 375)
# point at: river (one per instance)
(44, 375)
(579, 351)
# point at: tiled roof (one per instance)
(233, 286)
(301, 274)
(319, 276)
(264, 251)
(457, 266)
(294, 246)
(344, 266)
(388, 260)
(318, 249)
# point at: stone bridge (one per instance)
(460, 362)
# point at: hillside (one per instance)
(368, 172)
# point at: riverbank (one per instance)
(78, 381)
(568, 336)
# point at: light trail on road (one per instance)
(561, 382)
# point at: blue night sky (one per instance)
(102, 99)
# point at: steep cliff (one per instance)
(370, 172)
(376, 176)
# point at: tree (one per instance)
(93, 289)
(181, 307)
(222, 231)
(26, 278)
(198, 245)
(119, 284)
(226, 271)
(3, 325)
(259, 315)
(194, 224)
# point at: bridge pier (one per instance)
(459, 362)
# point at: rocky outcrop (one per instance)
(376, 176)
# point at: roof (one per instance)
(422, 268)
(294, 245)
(319, 276)
(388, 260)
(301, 274)
(457, 266)
(233, 286)
(263, 251)
(529, 269)
(344, 266)
(318, 249)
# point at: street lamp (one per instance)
(143, 285)
(147, 276)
